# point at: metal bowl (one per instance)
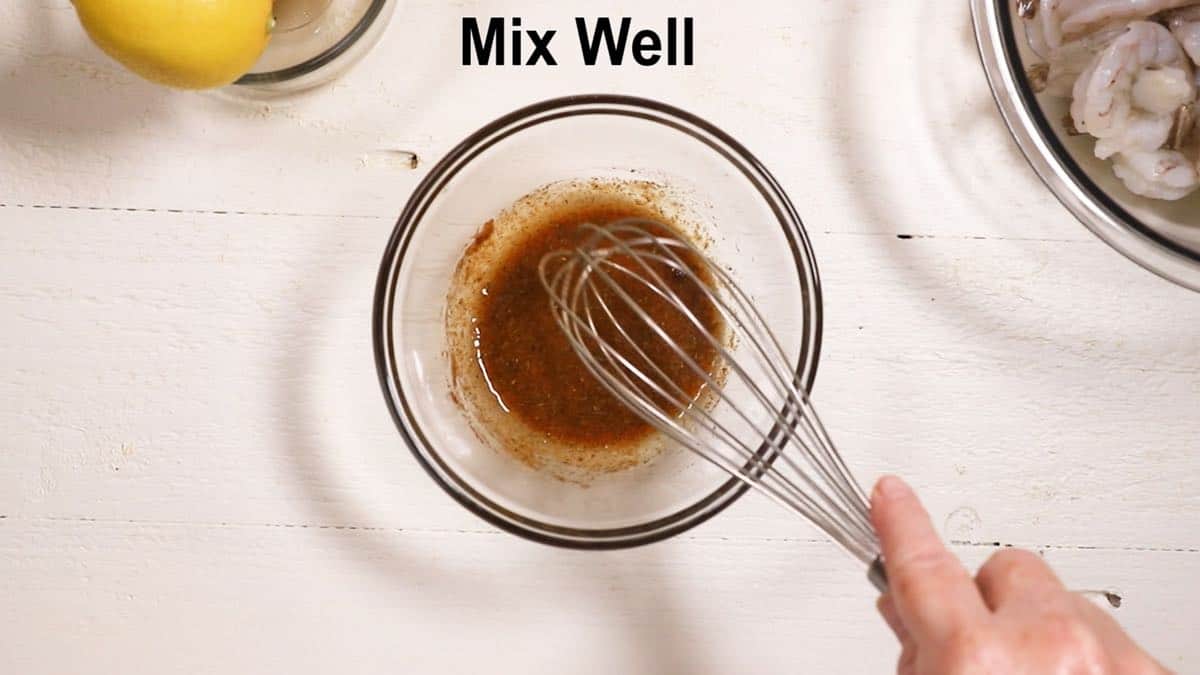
(1163, 237)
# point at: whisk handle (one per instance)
(877, 575)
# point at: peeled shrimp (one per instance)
(1065, 64)
(1185, 25)
(1161, 174)
(1132, 71)
(1053, 23)
(1128, 97)
(1086, 16)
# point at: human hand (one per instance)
(1015, 616)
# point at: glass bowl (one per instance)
(750, 226)
(1163, 237)
(314, 42)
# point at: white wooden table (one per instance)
(198, 473)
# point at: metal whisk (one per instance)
(753, 418)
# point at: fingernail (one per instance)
(891, 487)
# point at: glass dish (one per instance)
(752, 229)
(1163, 237)
(314, 42)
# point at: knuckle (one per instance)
(1073, 640)
(964, 651)
(1012, 566)
(1016, 559)
(917, 572)
(926, 561)
(1063, 628)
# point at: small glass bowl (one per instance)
(751, 228)
(308, 51)
(1163, 237)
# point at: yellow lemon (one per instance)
(190, 44)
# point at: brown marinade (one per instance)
(532, 367)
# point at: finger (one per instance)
(1102, 622)
(887, 609)
(933, 593)
(908, 661)
(1016, 577)
(1127, 656)
(908, 649)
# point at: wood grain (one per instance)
(198, 473)
(210, 599)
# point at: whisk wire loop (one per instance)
(748, 412)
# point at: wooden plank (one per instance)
(861, 146)
(196, 599)
(198, 474)
(209, 368)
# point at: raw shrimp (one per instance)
(1161, 174)
(1065, 64)
(1131, 70)
(1053, 23)
(1085, 16)
(1129, 95)
(1042, 30)
(1185, 25)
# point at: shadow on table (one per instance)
(948, 166)
(349, 465)
(65, 84)
(638, 588)
(956, 107)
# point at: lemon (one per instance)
(190, 44)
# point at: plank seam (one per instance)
(399, 530)
(297, 214)
(1074, 547)
(960, 237)
(200, 212)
